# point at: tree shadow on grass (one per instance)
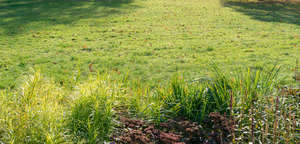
(268, 11)
(16, 14)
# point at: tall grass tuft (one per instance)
(91, 118)
(196, 100)
(92, 112)
(183, 99)
(33, 113)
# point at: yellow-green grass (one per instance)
(40, 111)
(149, 39)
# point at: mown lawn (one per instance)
(149, 39)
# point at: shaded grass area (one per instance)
(16, 14)
(272, 11)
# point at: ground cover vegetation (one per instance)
(244, 106)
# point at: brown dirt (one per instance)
(173, 131)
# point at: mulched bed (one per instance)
(173, 131)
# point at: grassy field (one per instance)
(149, 39)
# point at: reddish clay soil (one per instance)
(173, 131)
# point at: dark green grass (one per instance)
(150, 39)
